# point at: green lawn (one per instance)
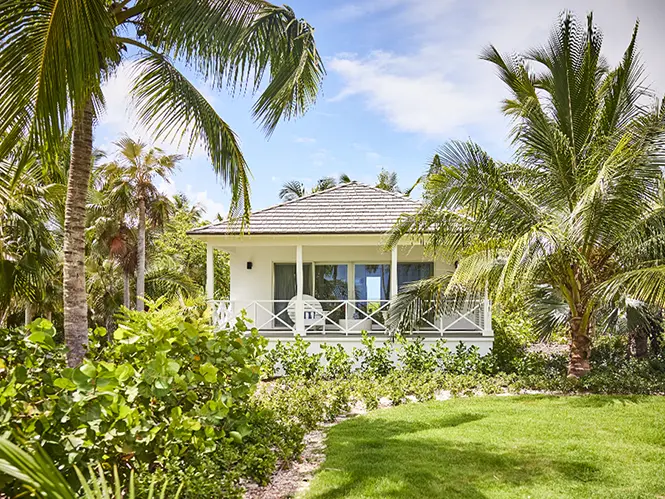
(508, 447)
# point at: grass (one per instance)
(500, 447)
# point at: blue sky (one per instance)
(403, 78)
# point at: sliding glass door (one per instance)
(331, 287)
(372, 290)
(284, 288)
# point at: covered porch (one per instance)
(330, 286)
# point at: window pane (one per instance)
(409, 272)
(372, 282)
(331, 282)
(372, 287)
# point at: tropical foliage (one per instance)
(55, 56)
(578, 216)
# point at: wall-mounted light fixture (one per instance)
(249, 265)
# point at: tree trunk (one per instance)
(580, 349)
(638, 342)
(75, 304)
(27, 319)
(140, 266)
(49, 316)
(125, 290)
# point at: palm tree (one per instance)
(580, 213)
(293, 189)
(55, 55)
(131, 184)
(29, 251)
(323, 184)
(387, 181)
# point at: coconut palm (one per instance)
(293, 189)
(55, 55)
(131, 185)
(387, 181)
(30, 196)
(324, 183)
(580, 212)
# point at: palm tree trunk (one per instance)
(140, 267)
(27, 319)
(638, 342)
(125, 290)
(580, 349)
(75, 304)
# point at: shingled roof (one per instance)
(349, 208)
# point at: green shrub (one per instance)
(414, 357)
(293, 359)
(167, 389)
(373, 360)
(513, 333)
(338, 363)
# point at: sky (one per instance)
(403, 77)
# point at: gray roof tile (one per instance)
(351, 208)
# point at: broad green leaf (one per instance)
(209, 372)
(65, 384)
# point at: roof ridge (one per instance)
(398, 195)
(306, 196)
(342, 185)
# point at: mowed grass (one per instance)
(500, 447)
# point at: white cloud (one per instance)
(357, 10)
(211, 207)
(439, 88)
(304, 140)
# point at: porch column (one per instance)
(210, 272)
(487, 315)
(393, 273)
(300, 308)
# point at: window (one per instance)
(371, 289)
(410, 272)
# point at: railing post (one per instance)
(300, 307)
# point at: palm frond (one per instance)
(52, 57)
(171, 106)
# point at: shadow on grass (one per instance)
(375, 457)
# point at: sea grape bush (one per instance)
(167, 389)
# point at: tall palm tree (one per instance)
(29, 251)
(131, 185)
(293, 189)
(581, 211)
(387, 181)
(55, 55)
(324, 183)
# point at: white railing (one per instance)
(348, 317)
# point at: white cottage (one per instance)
(316, 267)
